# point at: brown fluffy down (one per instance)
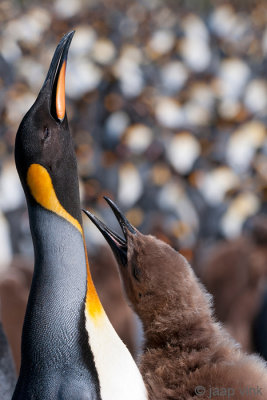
(184, 347)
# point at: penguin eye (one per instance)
(46, 134)
(136, 272)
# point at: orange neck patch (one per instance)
(92, 302)
(41, 187)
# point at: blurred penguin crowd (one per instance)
(167, 104)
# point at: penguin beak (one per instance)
(55, 79)
(123, 221)
(117, 244)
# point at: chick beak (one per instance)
(123, 221)
(55, 78)
(117, 244)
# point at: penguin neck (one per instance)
(55, 355)
(58, 246)
(58, 290)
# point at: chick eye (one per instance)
(136, 272)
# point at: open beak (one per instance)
(117, 244)
(56, 77)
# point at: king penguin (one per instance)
(187, 354)
(69, 350)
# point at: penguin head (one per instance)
(43, 146)
(150, 269)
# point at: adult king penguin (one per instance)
(63, 311)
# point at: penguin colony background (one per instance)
(159, 384)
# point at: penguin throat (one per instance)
(42, 190)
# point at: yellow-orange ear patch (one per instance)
(41, 186)
(60, 93)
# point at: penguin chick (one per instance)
(186, 352)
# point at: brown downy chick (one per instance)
(186, 353)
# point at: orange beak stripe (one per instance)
(60, 93)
